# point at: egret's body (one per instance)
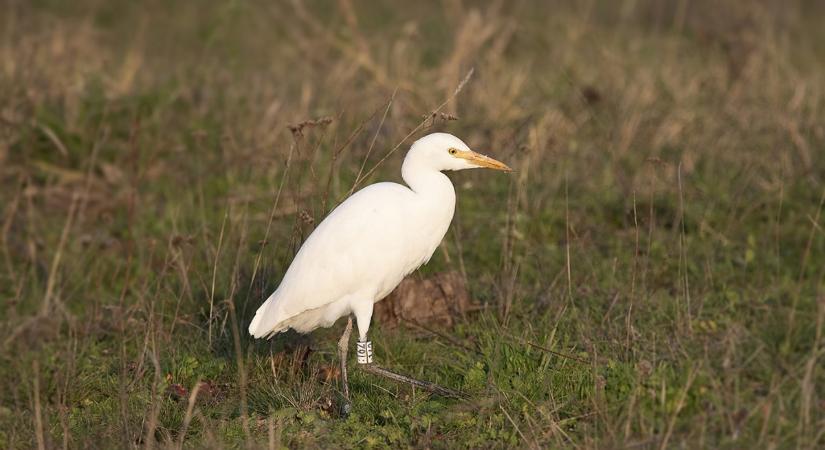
(358, 255)
(360, 252)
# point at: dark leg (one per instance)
(397, 377)
(343, 344)
(363, 314)
(365, 362)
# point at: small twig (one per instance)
(815, 224)
(10, 212)
(260, 255)
(803, 265)
(189, 410)
(337, 153)
(540, 347)
(372, 143)
(38, 413)
(236, 338)
(215, 274)
(683, 256)
(512, 422)
(458, 89)
(152, 422)
(447, 337)
(567, 238)
(679, 405)
(61, 147)
(64, 235)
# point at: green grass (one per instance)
(651, 275)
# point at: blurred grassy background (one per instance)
(663, 227)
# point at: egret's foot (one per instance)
(398, 378)
(346, 409)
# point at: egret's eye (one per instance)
(452, 151)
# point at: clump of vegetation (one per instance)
(652, 275)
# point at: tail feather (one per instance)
(269, 321)
(265, 323)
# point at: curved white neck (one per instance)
(435, 196)
(425, 180)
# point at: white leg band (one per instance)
(364, 351)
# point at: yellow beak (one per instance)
(482, 160)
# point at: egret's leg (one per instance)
(363, 314)
(343, 345)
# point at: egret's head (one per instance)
(444, 151)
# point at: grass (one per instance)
(651, 276)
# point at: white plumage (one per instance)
(363, 249)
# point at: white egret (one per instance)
(363, 249)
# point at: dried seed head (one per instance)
(297, 130)
(305, 217)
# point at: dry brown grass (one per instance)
(160, 163)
